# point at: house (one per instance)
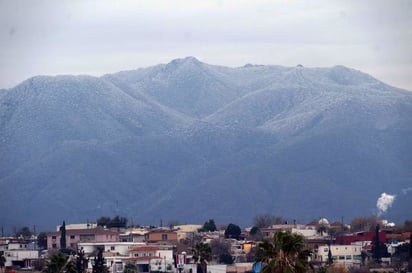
(133, 235)
(75, 236)
(348, 255)
(115, 248)
(270, 231)
(367, 236)
(19, 253)
(161, 236)
(78, 226)
(151, 259)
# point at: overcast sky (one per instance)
(96, 37)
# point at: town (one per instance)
(367, 244)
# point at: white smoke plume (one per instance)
(384, 202)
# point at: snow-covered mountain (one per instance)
(190, 141)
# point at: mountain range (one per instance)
(189, 141)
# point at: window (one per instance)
(87, 237)
(112, 248)
(164, 237)
(54, 237)
(348, 257)
(136, 254)
(54, 245)
(72, 237)
(357, 257)
(325, 249)
(341, 257)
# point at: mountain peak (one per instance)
(186, 60)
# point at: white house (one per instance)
(116, 248)
(20, 253)
(348, 255)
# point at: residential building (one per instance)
(366, 236)
(151, 259)
(19, 253)
(133, 235)
(78, 226)
(348, 255)
(75, 236)
(161, 236)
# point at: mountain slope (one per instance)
(190, 141)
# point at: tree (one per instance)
(225, 258)
(202, 253)
(63, 236)
(130, 268)
(220, 247)
(321, 229)
(42, 240)
(266, 220)
(39, 264)
(255, 234)
(284, 253)
(116, 222)
(209, 226)
(59, 263)
(233, 231)
(379, 249)
(103, 221)
(81, 261)
(2, 261)
(24, 232)
(364, 223)
(407, 226)
(99, 265)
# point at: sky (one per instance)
(95, 37)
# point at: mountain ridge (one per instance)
(188, 141)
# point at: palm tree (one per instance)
(202, 253)
(59, 263)
(284, 253)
